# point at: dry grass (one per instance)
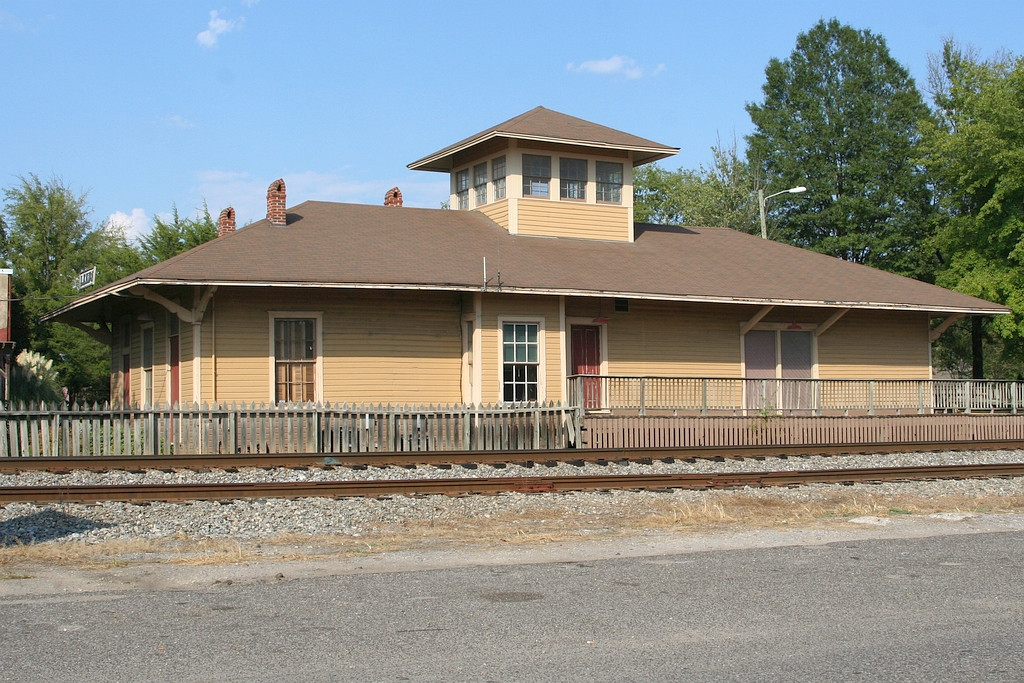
(714, 510)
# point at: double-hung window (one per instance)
(147, 364)
(609, 182)
(520, 346)
(480, 184)
(498, 177)
(536, 175)
(462, 188)
(572, 174)
(295, 356)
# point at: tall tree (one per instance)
(47, 239)
(974, 152)
(723, 194)
(841, 117)
(169, 238)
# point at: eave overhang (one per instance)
(88, 307)
(442, 160)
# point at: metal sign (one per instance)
(85, 279)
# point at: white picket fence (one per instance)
(60, 430)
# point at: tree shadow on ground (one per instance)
(42, 526)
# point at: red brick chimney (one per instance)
(393, 197)
(226, 222)
(276, 203)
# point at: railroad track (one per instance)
(133, 463)
(489, 485)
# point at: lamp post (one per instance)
(761, 199)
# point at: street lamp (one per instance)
(761, 199)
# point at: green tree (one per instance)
(974, 151)
(180, 234)
(47, 239)
(841, 117)
(723, 194)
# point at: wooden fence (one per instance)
(613, 431)
(306, 428)
(644, 395)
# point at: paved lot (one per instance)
(872, 605)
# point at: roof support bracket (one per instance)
(201, 300)
(149, 295)
(945, 325)
(832, 320)
(101, 334)
(749, 325)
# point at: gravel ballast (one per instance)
(265, 518)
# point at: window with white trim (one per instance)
(498, 177)
(572, 177)
(520, 348)
(609, 182)
(480, 184)
(295, 358)
(536, 175)
(462, 189)
(147, 364)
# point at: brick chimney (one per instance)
(393, 197)
(226, 222)
(276, 203)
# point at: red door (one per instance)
(586, 360)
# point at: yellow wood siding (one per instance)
(555, 218)
(377, 346)
(663, 338)
(497, 212)
(656, 338)
(875, 345)
(541, 309)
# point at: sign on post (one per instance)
(86, 279)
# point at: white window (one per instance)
(462, 188)
(609, 182)
(480, 183)
(572, 175)
(536, 175)
(520, 348)
(296, 356)
(498, 177)
(147, 364)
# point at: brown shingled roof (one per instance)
(349, 245)
(546, 125)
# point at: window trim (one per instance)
(564, 180)
(462, 193)
(528, 179)
(147, 375)
(480, 184)
(495, 193)
(318, 334)
(539, 321)
(599, 184)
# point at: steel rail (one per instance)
(83, 463)
(489, 485)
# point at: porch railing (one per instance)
(644, 395)
(60, 430)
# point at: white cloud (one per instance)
(215, 28)
(133, 225)
(178, 121)
(618, 65)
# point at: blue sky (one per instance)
(144, 105)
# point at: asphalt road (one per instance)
(943, 608)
